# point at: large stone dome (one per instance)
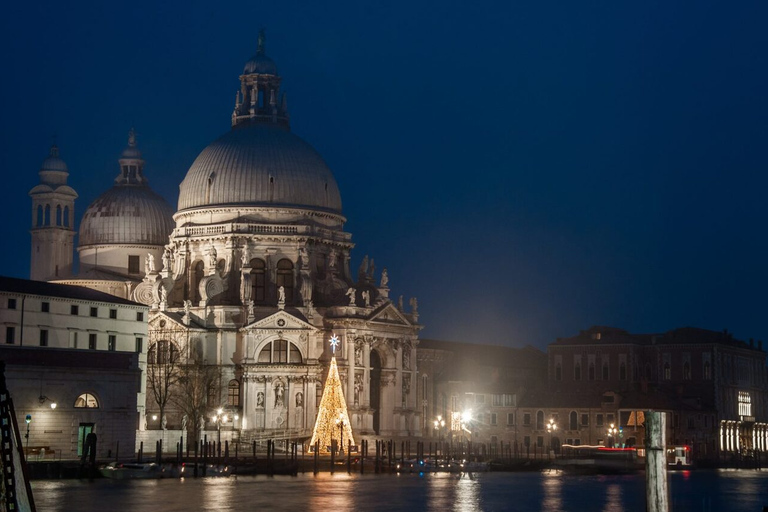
(127, 215)
(260, 164)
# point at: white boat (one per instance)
(128, 470)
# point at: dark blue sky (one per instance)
(526, 170)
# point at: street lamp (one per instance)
(439, 427)
(551, 427)
(28, 419)
(612, 431)
(218, 419)
(340, 423)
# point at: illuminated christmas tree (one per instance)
(332, 419)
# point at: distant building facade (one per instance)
(67, 394)
(77, 321)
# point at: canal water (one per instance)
(707, 491)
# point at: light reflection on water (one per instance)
(698, 490)
(551, 483)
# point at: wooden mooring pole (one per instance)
(656, 489)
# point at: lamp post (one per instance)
(28, 419)
(439, 427)
(218, 418)
(551, 427)
(612, 431)
(340, 423)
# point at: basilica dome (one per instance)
(130, 212)
(260, 164)
(127, 215)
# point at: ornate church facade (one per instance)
(250, 275)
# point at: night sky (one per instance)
(526, 169)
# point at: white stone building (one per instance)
(255, 277)
(81, 349)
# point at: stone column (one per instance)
(367, 373)
(351, 374)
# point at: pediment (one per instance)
(280, 321)
(166, 320)
(390, 315)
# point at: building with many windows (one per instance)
(63, 318)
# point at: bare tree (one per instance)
(164, 368)
(198, 393)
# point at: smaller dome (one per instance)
(53, 162)
(127, 215)
(260, 64)
(131, 152)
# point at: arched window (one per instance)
(47, 215)
(605, 371)
(163, 352)
(577, 371)
(573, 421)
(258, 280)
(86, 401)
(285, 278)
(707, 370)
(280, 352)
(591, 371)
(623, 371)
(558, 372)
(197, 276)
(540, 420)
(233, 393)
(39, 221)
(667, 372)
(686, 370)
(66, 216)
(58, 215)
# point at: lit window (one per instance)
(86, 401)
(745, 404)
(233, 393)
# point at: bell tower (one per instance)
(53, 213)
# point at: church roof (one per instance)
(130, 212)
(42, 288)
(259, 162)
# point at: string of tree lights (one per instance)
(332, 422)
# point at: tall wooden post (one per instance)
(656, 489)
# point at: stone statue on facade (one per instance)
(406, 359)
(400, 303)
(367, 298)
(384, 278)
(372, 270)
(164, 423)
(358, 388)
(244, 261)
(359, 354)
(299, 399)
(212, 258)
(279, 394)
(351, 294)
(260, 400)
(363, 270)
(187, 307)
(167, 260)
(414, 302)
(332, 257)
(163, 294)
(184, 421)
(281, 297)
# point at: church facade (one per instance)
(251, 275)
